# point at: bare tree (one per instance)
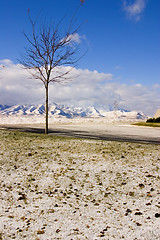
(50, 47)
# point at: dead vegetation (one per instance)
(64, 188)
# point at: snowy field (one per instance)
(63, 188)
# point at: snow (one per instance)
(62, 188)
(110, 117)
(61, 111)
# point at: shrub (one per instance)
(158, 120)
(153, 120)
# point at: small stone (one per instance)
(102, 234)
(148, 204)
(58, 230)
(141, 185)
(138, 213)
(106, 194)
(105, 230)
(149, 194)
(138, 224)
(124, 183)
(40, 232)
(96, 204)
(22, 197)
(131, 194)
(157, 215)
(127, 212)
(149, 175)
(76, 230)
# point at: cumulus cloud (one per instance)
(139, 97)
(87, 88)
(134, 10)
(15, 85)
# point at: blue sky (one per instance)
(121, 36)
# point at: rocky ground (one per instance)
(70, 189)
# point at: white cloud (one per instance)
(86, 89)
(134, 10)
(139, 97)
(74, 38)
(6, 62)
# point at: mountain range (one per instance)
(57, 110)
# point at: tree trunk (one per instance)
(46, 108)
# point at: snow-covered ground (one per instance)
(41, 119)
(62, 188)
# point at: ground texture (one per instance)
(70, 189)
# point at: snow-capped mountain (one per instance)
(3, 107)
(57, 111)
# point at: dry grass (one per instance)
(64, 188)
(147, 124)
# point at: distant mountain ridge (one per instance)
(56, 110)
(3, 107)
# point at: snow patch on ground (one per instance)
(61, 188)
